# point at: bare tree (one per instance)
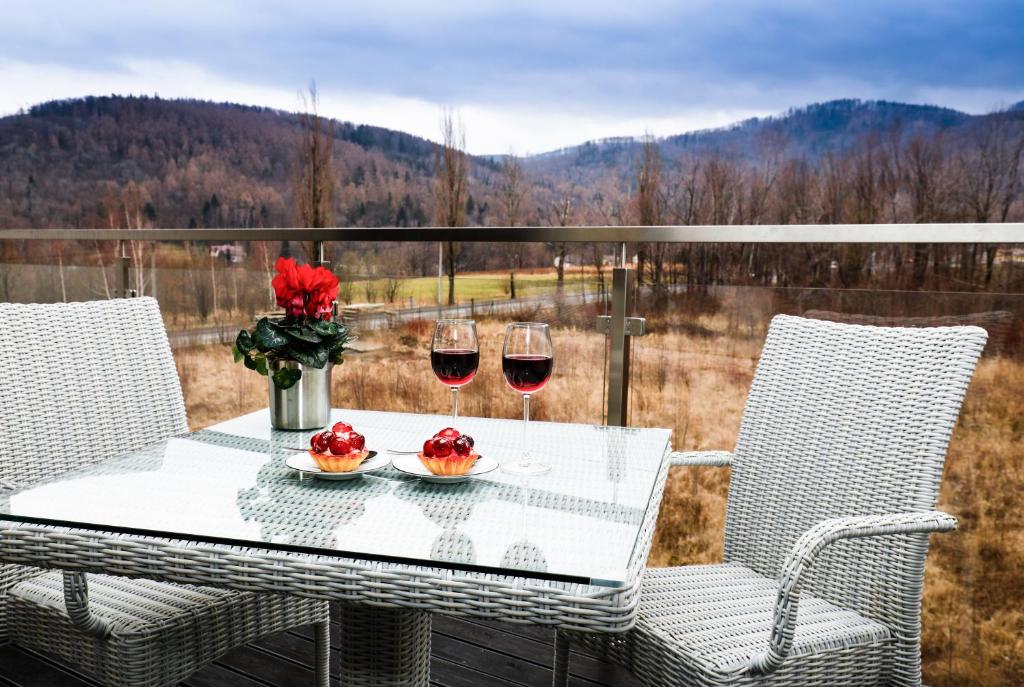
(512, 194)
(392, 288)
(513, 190)
(762, 175)
(451, 167)
(832, 190)
(989, 179)
(685, 203)
(125, 207)
(923, 174)
(988, 169)
(563, 214)
(649, 207)
(315, 181)
(134, 201)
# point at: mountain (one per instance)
(195, 163)
(189, 163)
(812, 131)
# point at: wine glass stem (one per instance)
(526, 423)
(455, 405)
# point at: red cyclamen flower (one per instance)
(303, 290)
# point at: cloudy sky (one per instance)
(526, 76)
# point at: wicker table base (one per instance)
(383, 646)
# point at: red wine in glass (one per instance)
(526, 373)
(455, 356)
(526, 361)
(455, 366)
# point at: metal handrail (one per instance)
(1007, 232)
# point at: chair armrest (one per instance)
(806, 550)
(718, 459)
(76, 599)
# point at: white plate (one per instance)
(411, 465)
(304, 463)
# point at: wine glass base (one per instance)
(526, 468)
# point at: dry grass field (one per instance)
(695, 384)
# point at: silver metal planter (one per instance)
(307, 404)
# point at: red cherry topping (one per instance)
(469, 439)
(462, 447)
(322, 441)
(339, 446)
(428, 448)
(341, 427)
(448, 433)
(356, 440)
(442, 446)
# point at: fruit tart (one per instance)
(448, 453)
(338, 449)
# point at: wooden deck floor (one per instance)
(465, 654)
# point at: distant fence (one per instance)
(388, 318)
(574, 307)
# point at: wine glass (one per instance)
(526, 361)
(455, 356)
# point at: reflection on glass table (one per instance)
(580, 522)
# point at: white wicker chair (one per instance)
(99, 377)
(834, 477)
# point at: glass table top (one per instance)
(229, 483)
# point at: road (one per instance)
(387, 319)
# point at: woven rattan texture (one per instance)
(384, 646)
(834, 478)
(997, 323)
(367, 588)
(512, 599)
(701, 624)
(161, 632)
(86, 382)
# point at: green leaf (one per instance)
(326, 329)
(335, 351)
(243, 342)
(236, 354)
(255, 360)
(285, 378)
(311, 355)
(268, 336)
(303, 333)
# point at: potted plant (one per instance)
(297, 352)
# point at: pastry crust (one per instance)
(329, 462)
(449, 466)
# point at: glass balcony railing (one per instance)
(689, 371)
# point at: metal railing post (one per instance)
(121, 273)
(320, 260)
(618, 362)
(319, 255)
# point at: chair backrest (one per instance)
(846, 420)
(998, 323)
(82, 382)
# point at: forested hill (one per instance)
(196, 163)
(139, 161)
(811, 132)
